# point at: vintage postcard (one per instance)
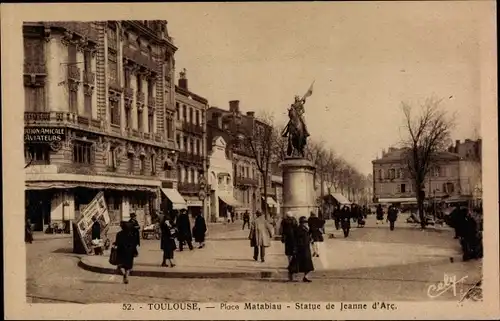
(292, 160)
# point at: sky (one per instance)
(365, 59)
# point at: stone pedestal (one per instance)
(299, 196)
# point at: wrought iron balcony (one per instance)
(188, 187)
(138, 57)
(192, 128)
(83, 29)
(74, 73)
(89, 78)
(34, 69)
(60, 118)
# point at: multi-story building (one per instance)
(102, 94)
(190, 139)
(235, 127)
(451, 176)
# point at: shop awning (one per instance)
(178, 202)
(398, 200)
(96, 185)
(340, 198)
(230, 200)
(270, 201)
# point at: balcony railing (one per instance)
(190, 158)
(192, 128)
(74, 73)
(35, 69)
(60, 118)
(89, 78)
(246, 181)
(188, 187)
(138, 57)
(83, 29)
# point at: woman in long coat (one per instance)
(260, 235)
(199, 230)
(126, 249)
(302, 259)
(184, 230)
(167, 242)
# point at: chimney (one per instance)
(183, 82)
(234, 106)
(251, 114)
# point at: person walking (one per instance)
(260, 236)
(345, 220)
(28, 232)
(301, 261)
(184, 230)
(167, 242)
(246, 220)
(199, 230)
(380, 214)
(126, 249)
(392, 216)
(337, 216)
(315, 227)
(287, 231)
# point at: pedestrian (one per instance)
(167, 241)
(136, 228)
(246, 220)
(337, 215)
(345, 220)
(287, 231)
(315, 226)
(260, 236)
(380, 214)
(232, 217)
(184, 231)
(126, 249)
(28, 232)
(301, 261)
(392, 216)
(199, 230)
(96, 236)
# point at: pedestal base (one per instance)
(299, 195)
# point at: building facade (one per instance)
(191, 142)
(451, 177)
(99, 110)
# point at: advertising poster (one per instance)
(96, 208)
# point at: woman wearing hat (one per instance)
(302, 259)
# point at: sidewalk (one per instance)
(229, 255)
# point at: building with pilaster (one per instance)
(99, 116)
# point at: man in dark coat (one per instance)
(380, 214)
(199, 230)
(126, 249)
(392, 216)
(345, 220)
(246, 220)
(167, 241)
(315, 229)
(287, 231)
(302, 260)
(337, 214)
(184, 230)
(136, 229)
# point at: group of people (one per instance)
(468, 230)
(176, 233)
(392, 215)
(343, 216)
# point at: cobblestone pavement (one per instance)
(53, 276)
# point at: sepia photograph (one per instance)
(314, 159)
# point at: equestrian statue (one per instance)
(296, 129)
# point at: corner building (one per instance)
(108, 85)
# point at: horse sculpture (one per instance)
(295, 131)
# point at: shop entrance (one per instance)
(38, 206)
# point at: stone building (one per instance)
(451, 177)
(190, 140)
(234, 127)
(107, 87)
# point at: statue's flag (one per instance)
(309, 91)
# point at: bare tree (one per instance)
(427, 134)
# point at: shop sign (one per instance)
(43, 135)
(96, 208)
(194, 203)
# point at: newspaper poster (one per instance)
(96, 208)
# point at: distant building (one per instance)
(191, 140)
(451, 177)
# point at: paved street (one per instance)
(359, 273)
